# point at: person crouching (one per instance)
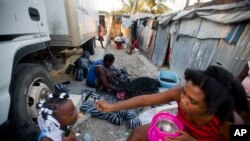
(100, 74)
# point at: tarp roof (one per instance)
(139, 15)
(165, 18)
(126, 22)
(225, 14)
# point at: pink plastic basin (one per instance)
(161, 125)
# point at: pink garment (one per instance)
(120, 95)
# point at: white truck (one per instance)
(31, 31)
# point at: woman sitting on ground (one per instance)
(206, 105)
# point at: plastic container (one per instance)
(168, 75)
(164, 125)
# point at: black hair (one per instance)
(109, 58)
(222, 91)
(52, 103)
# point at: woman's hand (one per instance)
(70, 137)
(183, 137)
(103, 106)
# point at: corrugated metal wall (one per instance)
(193, 53)
(139, 34)
(161, 45)
(151, 46)
(234, 57)
(190, 52)
(147, 37)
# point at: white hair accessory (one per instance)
(62, 95)
(41, 102)
(50, 95)
(42, 109)
(48, 111)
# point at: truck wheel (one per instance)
(30, 84)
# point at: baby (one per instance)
(56, 116)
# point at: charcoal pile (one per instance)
(168, 80)
(139, 86)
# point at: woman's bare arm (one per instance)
(141, 101)
(102, 77)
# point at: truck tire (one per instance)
(31, 83)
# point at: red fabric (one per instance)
(118, 45)
(136, 44)
(209, 132)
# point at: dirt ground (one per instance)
(136, 63)
(99, 130)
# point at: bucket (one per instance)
(168, 75)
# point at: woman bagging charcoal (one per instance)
(206, 105)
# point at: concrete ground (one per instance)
(93, 129)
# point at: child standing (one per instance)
(56, 115)
(135, 44)
(100, 33)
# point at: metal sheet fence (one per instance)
(161, 45)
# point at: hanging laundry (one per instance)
(144, 22)
(155, 24)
